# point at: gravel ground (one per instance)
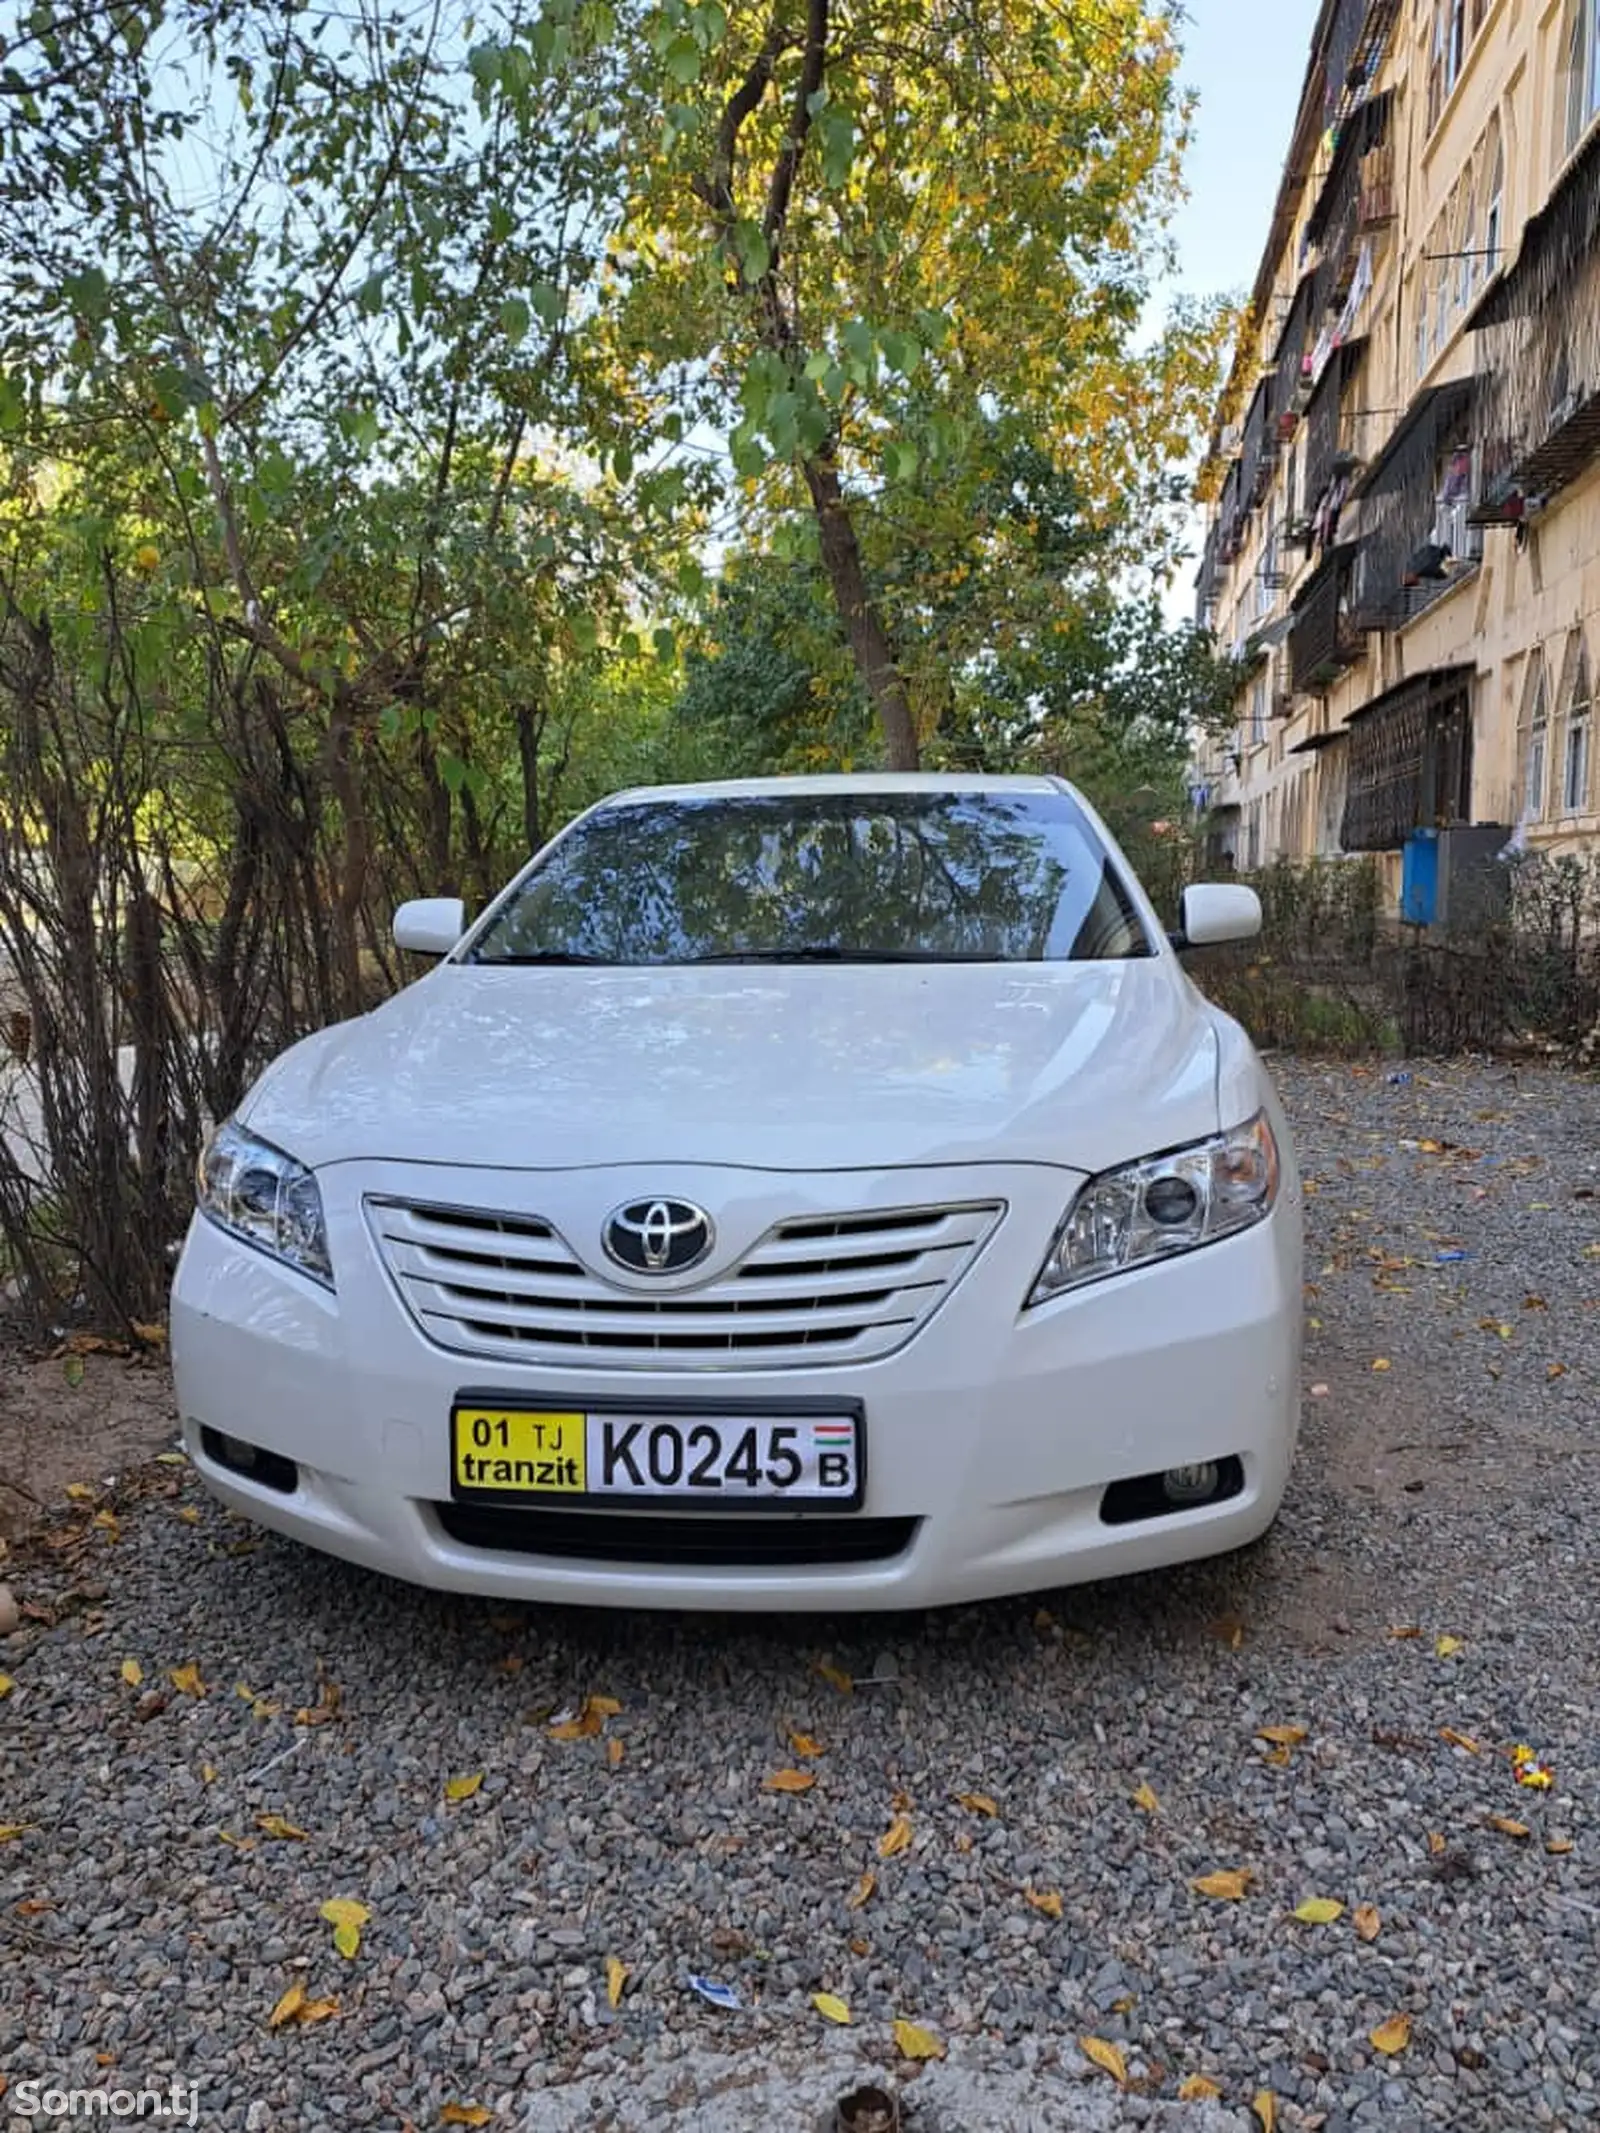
(149, 1923)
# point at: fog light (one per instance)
(1191, 1484)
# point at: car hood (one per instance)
(797, 1067)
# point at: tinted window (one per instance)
(870, 877)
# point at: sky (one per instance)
(1246, 61)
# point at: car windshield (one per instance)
(871, 877)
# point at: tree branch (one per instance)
(783, 172)
(717, 189)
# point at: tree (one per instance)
(858, 227)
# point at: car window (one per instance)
(848, 877)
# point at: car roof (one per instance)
(864, 782)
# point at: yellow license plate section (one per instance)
(531, 1452)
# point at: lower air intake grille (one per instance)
(678, 1543)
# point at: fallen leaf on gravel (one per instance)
(1447, 1647)
(80, 1491)
(1146, 1799)
(1195, 2088)
(863, 1889)
(1558, 1847)
(132, 1673)
(346, 1917)
(72, 1371)
(1509, 1828)
(464, 2114)
(1229, 1630)
(279, 1826)
(1282, 1736)
(1534, 1303)
(1265, 2106)
(462, 1788)
(1555, 1370)
(326, 1707)
(913, 2042)
(789, 1781)
(1391, 2036)
(1382, 1362)
(186, 1679)
(616, 1978)
(316, 2011)
(6, 1685)
(836, 1677)
(976, 1803)
(1495, 1325)
(587, 1721)
(1319, 1911)
(1459, 1740)
(189, 1515)
(895, 1838)
(1046, 1900)
(1406, 1629)
(289, 2006)
(1436, 1843)
(109, 1524)
(172, 1458)
(208, 1773)
(1367, 1921)
(831, 2008)
(1227, 1885)
(10, 1831)
(1106, 2057)
(240, 1844)
(614, 1751)
(803, 1745)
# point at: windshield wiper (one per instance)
(831, 953)
(557, 957)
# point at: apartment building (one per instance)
(1403, 531)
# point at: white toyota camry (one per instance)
(809, 1192)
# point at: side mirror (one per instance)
(1212, 912)
(430, 925)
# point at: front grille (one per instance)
(817, 1289)
(726, 1543)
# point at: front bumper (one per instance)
(995, 1432)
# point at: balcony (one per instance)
(1538, 419)
(1416, 505)
(1324, 636)
(1409, 762)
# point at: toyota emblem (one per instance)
(658, 1236)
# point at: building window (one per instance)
(1582, 70)
(1536, 753)
(1575, 755)
(1495, 215)
(1468, 261)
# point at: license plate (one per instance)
(726, 1460)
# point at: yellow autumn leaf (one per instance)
(1265, 2106)
(1195, 2088)
(462, 1788)
(109, 1524)
(132, 1673)
(1282, 1736)
(604, 1706)
(289, 2006)
(80, 1491)
(863, 1889)
(1046, 1900)
(977, 1803)
(1146, 1799)
(831, 2008)
(1558, 1847)
(802, 1744)
(1381, 1363)
(614, 1751)
(1447, 1647)
(242, 1844)
(1459, 1740)
(1367, 1921)
(208, 1773)
(895, 1838)
(1436, 1843)
(152, 1335)
(279, 1826)
(316, 2011)
(913, 2042)
(1507, 1827)
(187, 1680)
(789, 1781)
(836, 1677)
(1227, 1885)
(1391, 2036)
(11, 1831)
(616, 1978)
(464, 2114)
(6, 1686)
(1106, 2057)
(346, 1917)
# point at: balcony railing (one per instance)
(1324, 638)
(1409, 762)
(1416, 502)
(1538, 328)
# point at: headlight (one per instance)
(1165, 1204)
(256, 1192)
